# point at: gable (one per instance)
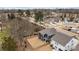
(73, 41)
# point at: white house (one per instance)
(63, 42)
(66, 20)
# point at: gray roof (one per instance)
(62, 38)
(48, 31)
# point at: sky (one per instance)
(39, 4)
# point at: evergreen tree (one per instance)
(39, 16)
(20, 12)
(11, 16)
(28, 13)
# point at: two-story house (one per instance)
(63, 42)
(46, 34)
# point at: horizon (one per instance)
(39, 7)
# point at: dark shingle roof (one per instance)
(48, 31)
(61, 38)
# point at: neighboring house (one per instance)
(52, 20)
(75, 30)
(46, 34)
(76, 20)
(63, 42)
(66, 20)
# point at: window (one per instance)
(45, 35)
(55, 47)
(60, 49)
